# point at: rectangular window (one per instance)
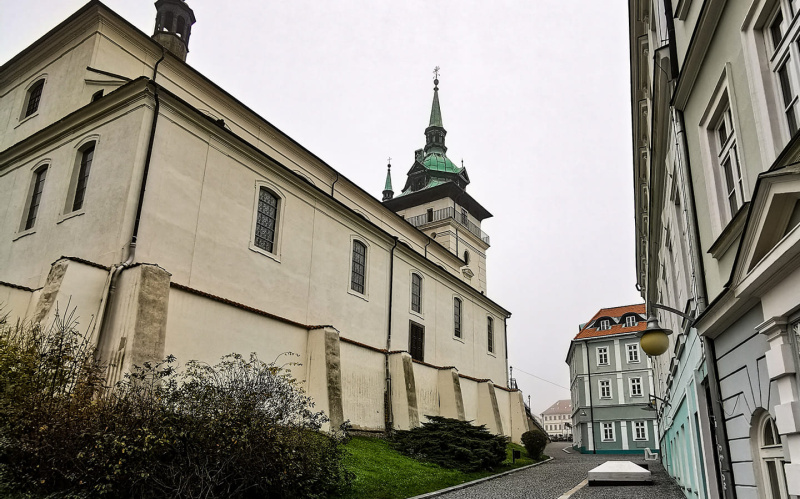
(640, 430)
(464, 217)
(602, 356)
(608, 432)
(416, 341)
(490, 333)
(358, 274)
(429, 215)
(605, 389)
(416, 293)
(630, 321)
(266, 220)
(36, 197)
(636, 387)
(605, 324)
(83, 177)
(633, 353)
(789, 97)
(457, 317)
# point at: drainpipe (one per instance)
(110, 289)
(333, 185)
(426, 246)
(388, 387)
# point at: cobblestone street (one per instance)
(557, 478)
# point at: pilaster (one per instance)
(404, 391)
(782, 371)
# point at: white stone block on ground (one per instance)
(619, 472)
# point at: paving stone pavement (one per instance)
(554, 479)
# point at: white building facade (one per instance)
(714, 93)
(557, 419)
(175, 220)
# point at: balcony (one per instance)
(448, 213)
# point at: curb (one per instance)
(479, 480)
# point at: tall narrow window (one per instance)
(457, 317)
(608, 432)
(416, 341)
(266, 220)
(83, 177)
(729, 162)
(34, 97)
(36, 197)
(358, 274)
(789, 96)
(636, 387)
(416, 293)
(602, 356)
(770, 450)
(605, 389)
(429, 215)
(633, 353)
(464, 217)
(640, 430)
(490, 334)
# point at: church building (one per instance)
(175, 220)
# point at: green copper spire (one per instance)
(388, 193)
(436, 113)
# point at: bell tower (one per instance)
(174, 20)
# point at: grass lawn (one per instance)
(383, 473)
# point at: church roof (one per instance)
(440, 163)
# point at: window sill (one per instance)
(492, 354)
(417, 314)
(267, 254)
(357, 294)
(460, 339)
(71, 214)
(24, 233)
(730, 233)
(26, 118)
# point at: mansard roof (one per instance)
(590, 330)
(560, 407)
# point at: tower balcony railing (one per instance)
(448, 213)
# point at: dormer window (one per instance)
(631, 321)
(604, 325)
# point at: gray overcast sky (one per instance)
(535, 98)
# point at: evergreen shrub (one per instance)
(452, 443)
(534, 441)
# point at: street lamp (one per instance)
(654, 340)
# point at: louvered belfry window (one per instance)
(266, 220)
(358, 275)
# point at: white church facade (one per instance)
(175, 220)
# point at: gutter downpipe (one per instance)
(388, 388)
(333, 185)
(111, 286)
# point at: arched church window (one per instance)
(181, 26)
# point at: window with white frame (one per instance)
(605, 389)
(633, 353)
(604, 325)
(602, 356)
(608, 432)
(631, 321)
(636, 387)
(728, 161)
(726, 176)
(780, 35)
(640, 430)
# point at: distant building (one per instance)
(557, 419)
(611, 380)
